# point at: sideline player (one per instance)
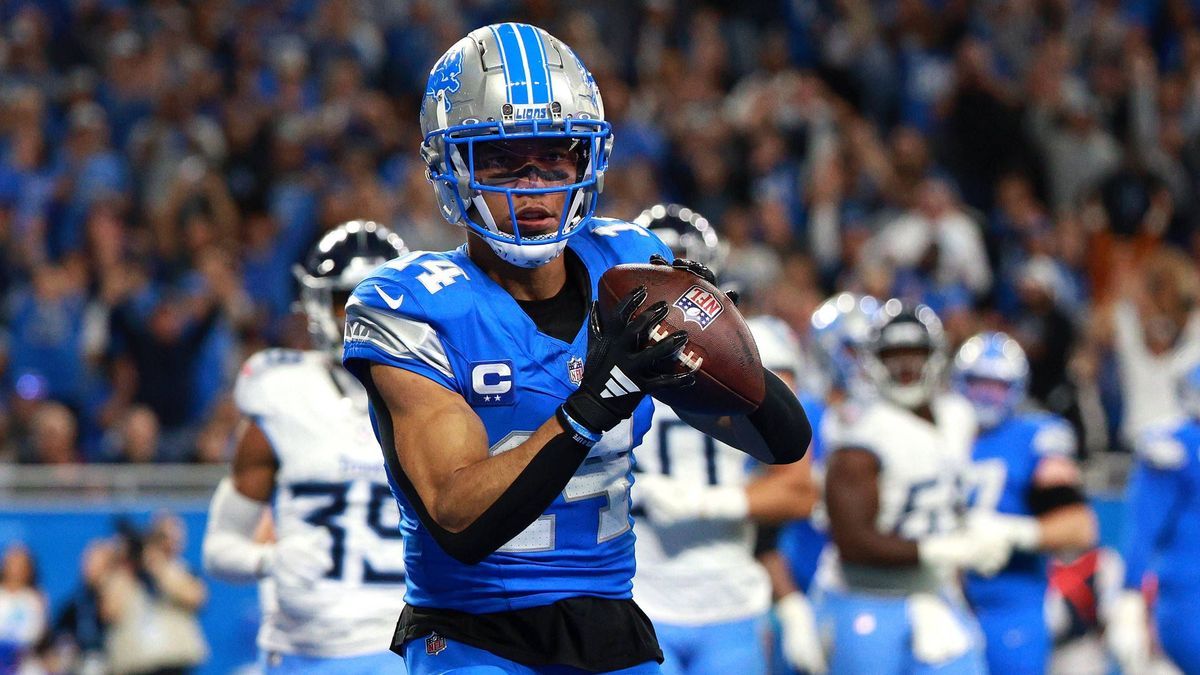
(1162, 522)
(892, 490)
(1024, 479)
(697, 577)
(332, 582)
(507, 416)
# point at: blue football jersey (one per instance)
(1163, 512)
(1004, 462)
(800, 541)
(440, 316)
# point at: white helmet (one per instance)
(778, 347)
(512, 82)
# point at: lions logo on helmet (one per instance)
(506, 83)
(688, 234)
(341, 259)
(991, 371)
(905, 355)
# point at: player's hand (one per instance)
(668, 501)
(974, 549)
(799, 637)
(300, 559)
(699, 269)
(1023, 531)
(1128, 633)
(623, 364)
(937, 634)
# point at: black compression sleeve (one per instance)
(781, 421)
(1045, 499)
(523, 502)
(766, 539)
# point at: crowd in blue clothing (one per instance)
(164, 164)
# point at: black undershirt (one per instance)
(559, 316)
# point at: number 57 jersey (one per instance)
(330, 475)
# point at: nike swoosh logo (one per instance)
(394, 303)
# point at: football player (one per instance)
(892, 491)
(332, 581)
(1023, 479)
(697, 577)
(1162, 523)
(507, 410)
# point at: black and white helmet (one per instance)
(336, 264)
(905, 353)
(688, 234)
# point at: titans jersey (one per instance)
(1004, 461)
(330, 475)
(696, 572)
(921, 467)
(439, 316)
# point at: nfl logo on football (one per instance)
(575, 370)
(699, 305)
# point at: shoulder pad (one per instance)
(630, 242)
(1053, 436)
(1159, 447)
(253, 390)
(417, 284)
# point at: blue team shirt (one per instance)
(1163, 511)
(800, 542)
(440, 316)
(1004, 461)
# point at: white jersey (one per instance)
(697, 572)
(921, 473)
(330, 475)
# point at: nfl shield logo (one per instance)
(700, 306)
(435, 644)
(575, 370)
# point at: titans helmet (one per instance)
(1189, 392)
(907, 379)
(778, 347)
(687, 233)
(839, 327)
(505, 84)
(991, 371)
(336, 264)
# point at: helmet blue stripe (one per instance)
(518, 89)
(535, 54)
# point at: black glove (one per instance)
(622, 365)
(699, 269)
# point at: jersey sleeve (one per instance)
(1054, 438)
(386, 323)
(252, 392)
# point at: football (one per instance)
(720, 349)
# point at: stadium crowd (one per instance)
(1026, 164)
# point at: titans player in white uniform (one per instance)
(697, 577)
(332, 582)
(507, 411)
(893, 494)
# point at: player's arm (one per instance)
(778, 432)
(230, 551)
(472, 502)
(852, 500)
(1065, 520)
(783, 493)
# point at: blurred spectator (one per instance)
(53, 435)
(79, 629)
(150, 601)
(22, 607)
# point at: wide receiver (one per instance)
(488, 374)
(892, 490)
(697, 577)
(331, 582)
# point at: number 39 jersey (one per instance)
(330, 475)
(922, 469)
(440, 316)
(702, 571)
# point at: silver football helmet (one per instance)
(687, 233)
(343, 257)
(503, 83)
